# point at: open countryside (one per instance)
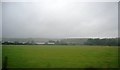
(60, 56)
(55, 34)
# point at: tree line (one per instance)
(105, 41)
(90, 41)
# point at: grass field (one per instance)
(0, 56)
(60, 56)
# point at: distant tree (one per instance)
(105, 41)
(51, 41)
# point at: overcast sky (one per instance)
(0, 21)
(59, 19)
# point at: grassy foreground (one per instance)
(0, 56)
(60, 56)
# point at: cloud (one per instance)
(0, 20)
(60, 0)
(59, 19)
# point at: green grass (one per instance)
(0, 56)
(61, 56)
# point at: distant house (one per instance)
(40, 43)
(50, 43)
(23, 42)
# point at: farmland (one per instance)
(60, 56)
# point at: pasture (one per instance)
(60, 56)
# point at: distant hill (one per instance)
(75, 40)
(26, 39)
(63, 40)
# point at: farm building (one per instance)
(40, 43)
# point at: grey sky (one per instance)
(119, 20)
(59, 19)
(60, 0)
(0, 20)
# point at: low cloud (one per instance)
(60, 19)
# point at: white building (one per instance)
(50, 43)
(41, 43)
